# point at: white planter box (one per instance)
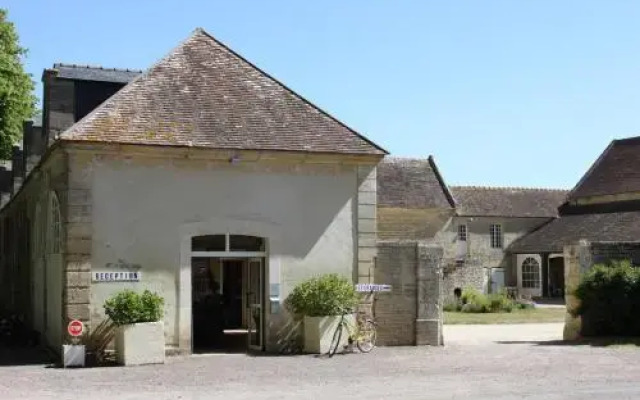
(139, 344)
(318, 333)
(73, 355)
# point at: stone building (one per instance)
(202, 177)
(474, 225)
(604, 208)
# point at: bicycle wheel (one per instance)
(367, 336)
(335, 342)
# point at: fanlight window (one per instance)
(237, 243)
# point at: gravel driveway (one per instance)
(504, 333)
(478, 362)
(456, 371)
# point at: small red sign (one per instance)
(75, 328)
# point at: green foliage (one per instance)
(473, 301)
(129, 307)
(452, 306)
(499, 302)
(322, 296)
(16, 99)
(98, 340)
(523, 305)
(609, 297)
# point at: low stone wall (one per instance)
(411, 314)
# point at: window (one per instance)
(462, 233)
(222, 243)
(531, 273)
(496, 236)
(209, 243)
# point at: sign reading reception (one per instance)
(124, 276)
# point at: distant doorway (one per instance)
(227, 297)
(556, 277)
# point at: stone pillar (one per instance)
(577, 260)
(77, 203)
(366, 211)
(429, 298)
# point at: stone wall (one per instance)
(366, 222)
(470, 273)
(578, 259)
(605, 252)
(411, 224)
(411, 314)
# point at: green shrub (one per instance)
(523, 305)
(322, 296)
(473, 301)
(609, 297)
(499, 302)
(452, 306)
(129, 307)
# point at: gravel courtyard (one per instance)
(464, 370)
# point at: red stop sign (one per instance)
(75, 328)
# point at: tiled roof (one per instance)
(95, 73)
(202, 94)
(616, 171)
(606, 227)
(411, 183)
(507, 202)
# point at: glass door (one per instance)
(255, 295)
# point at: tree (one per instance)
(17, 102)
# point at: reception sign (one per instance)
(118, 276)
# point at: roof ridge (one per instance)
(94, 66)
(626, 139)
(481, 187)
(401, 158)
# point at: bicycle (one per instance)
(363, 334)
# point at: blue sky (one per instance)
(510, 93)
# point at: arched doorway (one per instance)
(530, 275)
(227, 292)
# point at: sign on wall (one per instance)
(124, 276)
(372, 287)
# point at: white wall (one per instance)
(142, 213)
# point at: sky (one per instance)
(501, 93)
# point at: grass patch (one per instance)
(535, 315)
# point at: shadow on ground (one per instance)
(20, 355)
(593, 342)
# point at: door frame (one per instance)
(246, 257)
(260, 305)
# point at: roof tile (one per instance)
(605, 227)
(95, 73)
(616, 171)
(410, 183)
(202, 94)
(507, 202)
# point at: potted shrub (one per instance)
(140, 329)
(321, 301)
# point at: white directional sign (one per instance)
(372, 287)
